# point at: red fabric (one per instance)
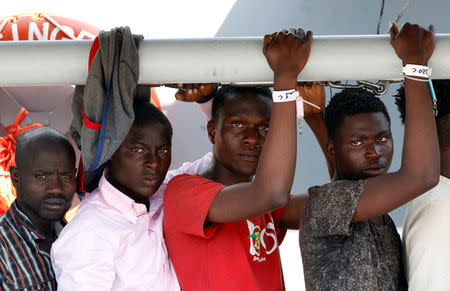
(80, 177)
(154, 99)
(90, 124)
(94, 48)
(231, 256)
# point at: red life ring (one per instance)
(42, 26)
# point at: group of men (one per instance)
(216, 224)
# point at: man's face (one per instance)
(46, 182)
(140, 164)
(240, 133)
(363, 146)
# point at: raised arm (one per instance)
(270, 188)
(315, 94)
(420, 159)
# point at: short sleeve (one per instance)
(330, 208)
(277, 215)
(187, 200)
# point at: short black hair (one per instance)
(144, 111)
(351, 102)
(40, 135)
(442, 91)
(225, 92)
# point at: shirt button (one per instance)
(9, 281)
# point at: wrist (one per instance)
(284, 82)
(314, 118)
(415, 61)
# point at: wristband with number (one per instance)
(285, 96)
(417, 71)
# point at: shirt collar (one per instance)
(24, 225)
(119, 201)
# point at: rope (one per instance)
(55, 23)
(380, 17)
(7, 153)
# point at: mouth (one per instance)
(250, 157)
(375, 170)
(55, 203)
(151, 179)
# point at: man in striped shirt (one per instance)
(44, 178)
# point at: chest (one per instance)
(25, 267)
(258, 237)
(140, 252)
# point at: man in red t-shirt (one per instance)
(222, 227)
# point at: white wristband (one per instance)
(285, 96)
(417, 71)
(416, 79)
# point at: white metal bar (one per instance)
(225, 60)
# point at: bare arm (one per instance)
(314, 117)
(420, 159)
(270, 188)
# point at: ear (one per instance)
(14, 176)
(211, 127)
(331, 151)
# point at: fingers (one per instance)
(268, 40)
(431, 28)
(180, 95)
(309, 36)
(393, 30)
(194, 92)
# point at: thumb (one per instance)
(431, 28)
(393, 30)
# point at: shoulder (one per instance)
(6, 225)
(95, 217)
(339, 187)
(189, 183)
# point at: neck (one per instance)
(46, 226)
(137, 198)
(445, 163)
(218, 173)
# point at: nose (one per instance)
(251, 136)
(55, 185)
(373, 151)
(152, 160)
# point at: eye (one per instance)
(263, 127)
(137, 150)
(41, 177)
(382, 139)
(67, 177)
(237, 124)
(164, 150)
(356, 143)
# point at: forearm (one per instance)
(420, 159)
(276, 167)
(317, 124)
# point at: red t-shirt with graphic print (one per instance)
(229, 256)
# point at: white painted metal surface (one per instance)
(225, 60)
